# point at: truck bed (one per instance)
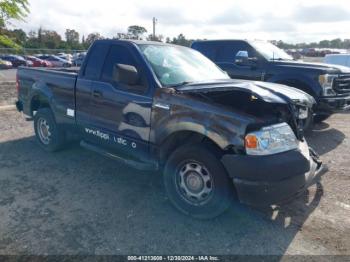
(56, 84)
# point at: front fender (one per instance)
(303, 82)
(222, 128)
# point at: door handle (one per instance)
(97, 94)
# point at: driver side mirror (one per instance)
(242, 58)
(125, 74)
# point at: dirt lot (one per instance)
(8, 93)
(77, 202)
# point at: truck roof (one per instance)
(225, 40)
(134, 41)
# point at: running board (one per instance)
(133, 163)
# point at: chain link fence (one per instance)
(37, 51)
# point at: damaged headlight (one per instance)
(303, 113)
(326, 81)
(271, 140)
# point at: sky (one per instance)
(291, 21)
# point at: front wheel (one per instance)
(196, 182)
(49, 135)
(321, 118)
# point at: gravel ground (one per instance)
(8, 93)
(8, 75)
(77, 202)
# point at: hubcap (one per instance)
(194, 183)
(44, 131)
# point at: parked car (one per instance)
(5, 64)
(156, 106)
(37, 62)
(78, 61)
(338, 59)
(56, 61)
(16, 60)
(65, 56)
(259, 60)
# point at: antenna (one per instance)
(154, 27)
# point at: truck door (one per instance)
(91, 71)
(120, 114)
(226, 59)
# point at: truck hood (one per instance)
(328, 68)
(268, 92)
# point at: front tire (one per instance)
(196, 182)
(321, 118)
(49, 135)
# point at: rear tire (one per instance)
(50, 136)
(196, 182)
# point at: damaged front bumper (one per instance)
(267, 180)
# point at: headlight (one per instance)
(271, 140)
(303, 113)
(326, 81)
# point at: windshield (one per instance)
(270, 51)
(180, 65)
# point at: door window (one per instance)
(95, 61)
(228, 51)
(121, 55)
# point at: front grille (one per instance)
(341, 84)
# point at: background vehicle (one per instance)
(56, 61)
(156, 106)
(259, 60)
(37, 62)
(67, 57)
(5, 64)
(16, 60)
(338, 59)
(78, 61)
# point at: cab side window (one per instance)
(121, 55)
(227, 52)
(95, 61)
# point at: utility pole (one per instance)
(154, 28)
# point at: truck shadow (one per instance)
(76, 202)
(324, 139)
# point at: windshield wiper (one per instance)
(180, 84)
(281, 59)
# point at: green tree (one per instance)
(324, 43)
(136, 31)
(19, 35)
(72, 38)
(91, 38)
(50, 39)
(13, 9)
(181, 40)
(336, 43)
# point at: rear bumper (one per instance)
(267, 180)
(333, 104)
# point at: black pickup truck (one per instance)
(157, 106)
(260, 60)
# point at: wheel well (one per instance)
(38, 102)
(183, 137)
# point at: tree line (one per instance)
(50, 39)
(335, 43)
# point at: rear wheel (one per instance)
(50, 136)
(196, 182)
